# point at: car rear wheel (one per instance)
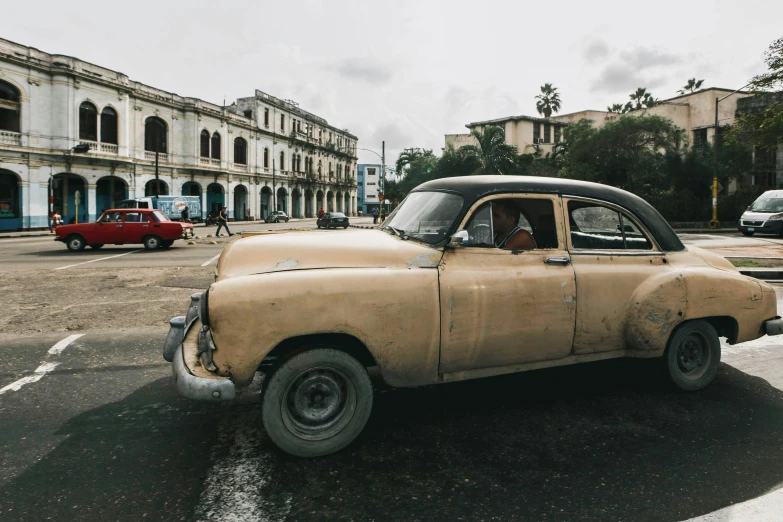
(317, 402)
(345, 226)
(152, 242)
(96, 246)
(75, 243)
(746, 233)
(692, 356)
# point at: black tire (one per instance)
(317, 402)
(96, 246)
(746, 233)
(286, 220)
(692, 356)
(345, 226)
(152, 242)
(75, 243)
(167, 243)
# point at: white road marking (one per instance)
(210, 261)
(99, 259)
(37, 376)
(45, 367)
(767, 508)
(235, 487)
(58, 348)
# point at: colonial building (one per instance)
(259, 153)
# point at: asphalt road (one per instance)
(103, 435)
(92, 428)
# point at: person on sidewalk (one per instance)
(374, 215)
(321, 213)
(223, 222)
(185, 215)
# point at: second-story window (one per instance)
(109, 125)
(155, 133)
(240, 151)
(282, 160)
(536, 132)
(88, 122)
(216, 146)
(266, 117)
(558, 129)
(204, 144)
(9, 107)
(266, 158)
(547, 133)
(282, 122)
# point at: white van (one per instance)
(764, 216)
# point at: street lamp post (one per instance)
(714, 223)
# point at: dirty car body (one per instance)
(607, 278)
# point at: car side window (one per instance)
(132, 217)
(111, 217)
(480, 227)
(596, 227)
(534, 216)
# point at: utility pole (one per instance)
(714, 221)
(157, 153)
(274, 192)
(380, 179)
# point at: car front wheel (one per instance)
(75, 243)
(152, 242)
(692, 356)
(746, 233)
(167, 243)
(317, 402)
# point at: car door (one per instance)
(504, 307)
(612, 254)
(135, 227)
(107, 230)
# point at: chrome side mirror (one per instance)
(459, 239)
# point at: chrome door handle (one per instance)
(557, 261)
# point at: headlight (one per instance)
(203, 308)
(776, 217)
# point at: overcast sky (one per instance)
(408, 72)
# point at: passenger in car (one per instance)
(505, 222)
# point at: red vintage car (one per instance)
(122, 226)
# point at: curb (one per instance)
(767, 274)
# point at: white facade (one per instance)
(50, 103)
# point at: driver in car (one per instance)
(505, 222)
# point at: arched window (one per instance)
(9, 107)
(266, 158)
(282, 160)
(204, 148)
(88, 122)
(240, 151)
(109, 125)
(216, 146)
(155, 131)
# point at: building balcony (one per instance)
(239, 166)
(163, 157)
(10, 138)
(209, 162)
(96, 146)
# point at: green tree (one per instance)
(548, 101)
(761, 125)
(494, 155)
(457, 162)
(616, 108)
(641, 99)
(691, 87)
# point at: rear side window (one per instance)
(159, 216)
(595, 227)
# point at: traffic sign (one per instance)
(380, 196)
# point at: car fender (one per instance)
(395, 313)
(664, 301)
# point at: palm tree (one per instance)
(493, 153)
(548, 101)
(616, 107)
(691, 87)
(641, 99)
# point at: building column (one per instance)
(204, 209)
(229, 199)
(26, 211)
(289, 210)
(131, 191)
(91, 203)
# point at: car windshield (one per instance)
(426, 216)
(767, 205)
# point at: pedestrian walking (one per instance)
(374, 215)
(185, 215)
(223, 222)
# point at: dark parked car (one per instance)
(276, 216)
(333, 220)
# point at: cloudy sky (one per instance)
(408, 72)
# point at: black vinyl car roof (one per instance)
(476, 187)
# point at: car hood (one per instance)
(756, 216)
(279, 252)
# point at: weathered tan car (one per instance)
(438, 294)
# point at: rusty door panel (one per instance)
(500, 308)
(605, 284)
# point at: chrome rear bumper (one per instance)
(774, 326)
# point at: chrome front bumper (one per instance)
(200, 388)
(774, 326)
